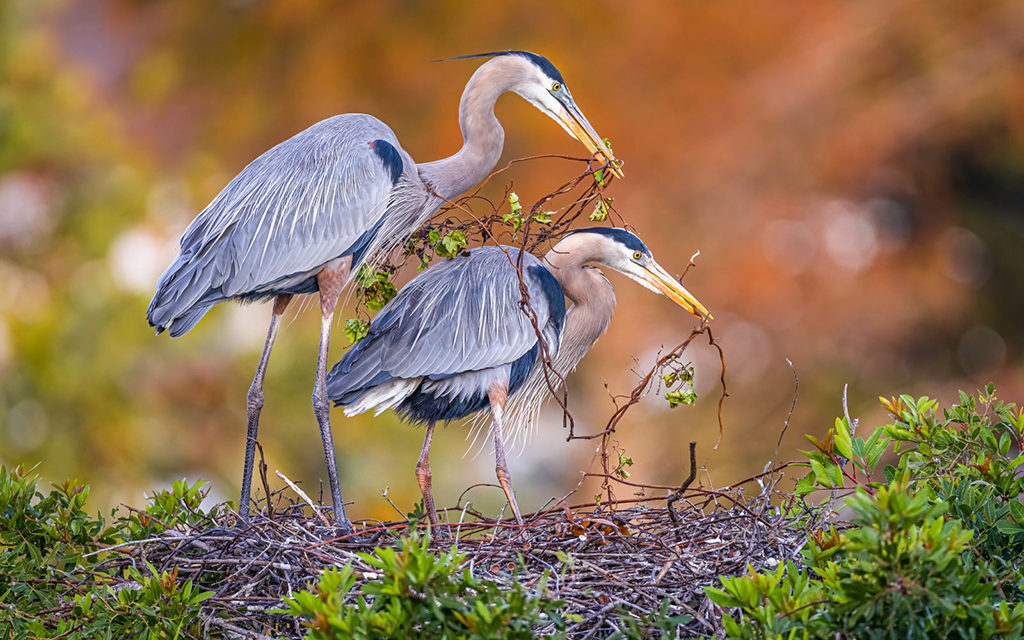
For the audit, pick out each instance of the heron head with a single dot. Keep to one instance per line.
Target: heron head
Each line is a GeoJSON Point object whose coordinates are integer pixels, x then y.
{"type": "Point", "coordinates": [541, 84]}
{"type": "Point", "coordinates": [624, 252]}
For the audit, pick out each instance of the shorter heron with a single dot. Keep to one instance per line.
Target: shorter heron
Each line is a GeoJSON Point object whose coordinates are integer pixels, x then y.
{"type": "Point", "coordinates": [457, 339]}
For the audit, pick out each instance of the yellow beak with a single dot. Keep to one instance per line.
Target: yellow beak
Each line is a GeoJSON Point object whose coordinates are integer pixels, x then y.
{"type": "Point", "coordinates": [666, 284]}
{"type": "Point", "coordinates": [573, 119]}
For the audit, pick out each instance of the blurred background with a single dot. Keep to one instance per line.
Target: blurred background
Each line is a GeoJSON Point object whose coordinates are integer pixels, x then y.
{"type": "Point", "coordinates": [853, 174]}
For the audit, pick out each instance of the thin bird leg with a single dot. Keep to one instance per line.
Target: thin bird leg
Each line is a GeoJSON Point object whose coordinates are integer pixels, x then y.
{"type": "Point", "coordinates": [254, 403]}
{"type": "Point", "coordinates": [498, 394]}
{"type": "Point", "coordinates": [331, 280]}
{"type": "Point", "coordinates": [423, 475]}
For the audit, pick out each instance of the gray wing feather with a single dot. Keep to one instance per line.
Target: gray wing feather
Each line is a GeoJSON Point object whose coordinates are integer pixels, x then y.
{"type": "Point", "coordinates": [297, 206]}
{"type": "Point", "coordinates": [470, 319]}
{"type": "Point", "coordinates": [458, 316]}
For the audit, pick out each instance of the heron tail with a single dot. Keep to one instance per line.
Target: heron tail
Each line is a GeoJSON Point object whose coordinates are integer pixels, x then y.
{"type": "Point", "coordinates": [184, 293]}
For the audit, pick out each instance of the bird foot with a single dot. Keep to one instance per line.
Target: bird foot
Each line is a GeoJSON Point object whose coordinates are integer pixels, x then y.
{"type": "Point", "coordinates": [440, 532]}
{"type": "Point", "coordinates": [342, 531]}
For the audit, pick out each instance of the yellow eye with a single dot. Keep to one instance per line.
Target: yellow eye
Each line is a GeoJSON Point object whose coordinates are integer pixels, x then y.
{"type": "Point", "coordinates": [556, 87]}
{"type": "Point", "coordinates": [637, 255]}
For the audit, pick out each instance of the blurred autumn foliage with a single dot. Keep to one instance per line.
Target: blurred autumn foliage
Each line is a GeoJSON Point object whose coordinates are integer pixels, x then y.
{"type": "Point", "coordinates": [852, 173]}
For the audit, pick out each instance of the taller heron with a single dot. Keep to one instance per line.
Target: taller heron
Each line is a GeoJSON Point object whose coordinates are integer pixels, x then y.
{"type": "Point", "coordinates": [303, 216]}
{"type": "Point", "coordinates": [457, 340]}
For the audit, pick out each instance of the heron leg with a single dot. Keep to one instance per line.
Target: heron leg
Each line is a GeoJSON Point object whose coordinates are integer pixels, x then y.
{"type": "Point", "coordinates": [498, 394]}
{"type": "Point", "coordinates": [254, 403]}
{"type": "Point", "coordinates": [331, 280]}
{"type": "Point", "coordinates": [423, 475]}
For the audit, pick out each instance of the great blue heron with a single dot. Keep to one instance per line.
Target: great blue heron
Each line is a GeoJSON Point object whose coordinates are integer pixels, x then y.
{"type": "Point", "coordinates": [303, 216]}
{"type": "Point", "coordinates": [456, 339]}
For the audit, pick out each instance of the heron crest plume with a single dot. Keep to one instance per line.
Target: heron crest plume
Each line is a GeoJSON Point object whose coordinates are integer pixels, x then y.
{"type": "Point", "coordinates": [542, 62]}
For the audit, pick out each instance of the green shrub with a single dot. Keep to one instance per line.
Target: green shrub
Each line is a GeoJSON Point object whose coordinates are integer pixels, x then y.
{"type": "Point", "coordinates": [420, 595]}
{"type": "Point", "coordinates": [53, 580]}
{"type": "Point", "coordinates": [934, 550]}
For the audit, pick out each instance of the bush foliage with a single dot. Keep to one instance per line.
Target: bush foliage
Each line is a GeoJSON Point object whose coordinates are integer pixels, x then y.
{"type": "Point", "coordinates": [420, 595]}
{"type": "Point", "coordinates": [935, 545]}
{"type": "Point", "coordinates": [53, 582]}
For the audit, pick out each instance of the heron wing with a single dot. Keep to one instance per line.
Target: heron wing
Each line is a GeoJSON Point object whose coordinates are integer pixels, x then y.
{"type": "Point", "coordinates": [462, 315]}
{"type": "Point", "coordinates": [299, 205]}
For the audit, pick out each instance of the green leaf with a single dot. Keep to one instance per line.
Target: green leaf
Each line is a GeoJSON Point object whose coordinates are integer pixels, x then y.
{"type": "Point", "coordinates": [821, 475]}
{"type": "Point", "coordinates": [842, 439]}
{"type": "Point", "coordinates": [513, 203]}
{"type": "Point", "coordinates": [451, 244]}
{"type": "Point", "coordinates": [600, 212]}
{"type": "Point", "coordinates": [1009, 527]}
{"type": "Point", "coordinates": [680, 396]}
{"type": "Point", "coordinates": [356, 329]}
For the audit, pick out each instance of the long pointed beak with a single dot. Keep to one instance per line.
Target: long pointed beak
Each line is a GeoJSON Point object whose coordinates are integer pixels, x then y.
{"type": "Point", "coordinates": [573, 119]}
{"type": "Point", "coordinates": [660, 279]}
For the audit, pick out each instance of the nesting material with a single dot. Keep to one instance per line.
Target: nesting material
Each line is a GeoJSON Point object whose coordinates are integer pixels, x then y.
{"type": "Point", "coordinates": [604, 563]}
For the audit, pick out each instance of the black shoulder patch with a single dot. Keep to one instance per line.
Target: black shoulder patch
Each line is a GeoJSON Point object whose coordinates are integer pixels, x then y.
{"type": "Point", "coordinates": [389, 155]}
{"type": "Point", "coordinates": [618, 235]}
{"type": "Point", "coordinates": [545, 65]}
{"type": "Point", "coordinates": [552, 291]}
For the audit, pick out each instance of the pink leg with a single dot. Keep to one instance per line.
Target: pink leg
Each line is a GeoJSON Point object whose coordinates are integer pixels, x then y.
{"type": "Point", "coordinates": [498, 395]}
{"type": "Point", "coordinates": [424, 477]}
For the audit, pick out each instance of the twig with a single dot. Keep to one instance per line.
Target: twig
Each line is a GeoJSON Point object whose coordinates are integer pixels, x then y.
{"type": "Point", "coordinates": [789, 416]}
{"type": "Point", "coordinates": [397, 510]}
{"type": "Point", "coordinates": [302, 494]}
{"type": "Point", "coordinates": [263, 479]}
{"type": "Point", "coordinates": [678, 493]}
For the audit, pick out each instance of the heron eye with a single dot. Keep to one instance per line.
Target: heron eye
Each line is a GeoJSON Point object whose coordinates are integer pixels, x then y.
{"type": "Point", "coordinates": [637, 255]}
{"type": "Point", "coordinates": [556, 87]}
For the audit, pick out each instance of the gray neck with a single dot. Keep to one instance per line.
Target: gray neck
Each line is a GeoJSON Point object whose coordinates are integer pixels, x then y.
{"type": "Point", "coordinates": [593, 301]}
{"type": "Point", "coordinates": [482, 135]}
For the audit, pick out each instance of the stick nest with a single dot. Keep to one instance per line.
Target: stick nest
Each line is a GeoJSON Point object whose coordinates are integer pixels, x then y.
{"type": "Point", "coordinates": [604, 563]}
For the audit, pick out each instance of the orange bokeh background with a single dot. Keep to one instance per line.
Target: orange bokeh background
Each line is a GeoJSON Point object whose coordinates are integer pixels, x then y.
{"type": "Point", "coordinates": [852, 174]}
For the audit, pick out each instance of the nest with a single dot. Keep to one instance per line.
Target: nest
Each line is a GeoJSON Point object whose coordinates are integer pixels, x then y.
{"type": "Point", "coordinates": [639, 558]}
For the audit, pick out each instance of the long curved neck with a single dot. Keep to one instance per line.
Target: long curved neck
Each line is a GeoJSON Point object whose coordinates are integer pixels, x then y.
{"type": "Point", "coordinates": [482, 135]}
{"type": "Point", "coordinates": [593, 301]}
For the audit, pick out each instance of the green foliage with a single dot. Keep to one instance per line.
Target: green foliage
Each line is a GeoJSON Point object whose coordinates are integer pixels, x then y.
{"type": "Point", "coordinates": [375, 287]}
{"type": "Point", "coordinates": [599, 173]}
{"type": "Point", "coordinates": [448, 245]}
{"type": "Point", "coordinates": [53, 579]}
{"type": "Point", "coordinates": [515, 215]}
{"type": "Point", "coordinates": [356, 329]}
{"type": "Point", "coordinates": [152, 605]}
{"type": "Point", "coordinates": [420, 595]}
{"type": "Point", "coordinates": [375, 291]}
{"type": "Point", "coordinates": [656, 624]}
{"type": "Point", "coordinates": [935, 548]}
{"type": "Point", "coordinates": [544, 217]}
{"type": "Point", "coordinates": [620, 468]}
{"type": "Point", "coordinates": [601, 208]}
{"type": "Point", "coordinates": [678, 397]}
{"type": "Point", "coordinates": [167, 509]}
{"type": "Point", "coordinates": [680, 386]}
